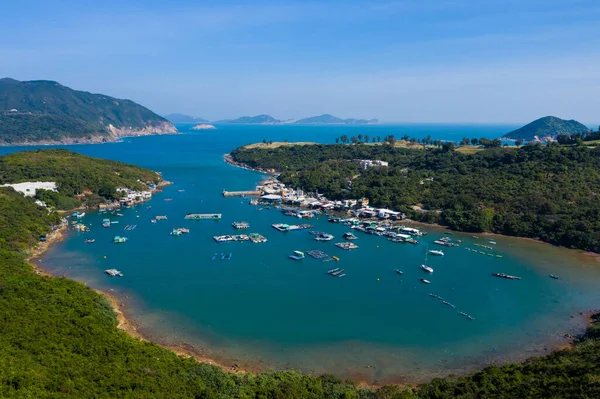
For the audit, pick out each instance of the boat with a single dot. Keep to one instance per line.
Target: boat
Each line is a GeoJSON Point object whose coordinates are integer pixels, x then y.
{"type": "Point", "coordinates": [297, 255]}
{"type": "Point", "coordinates": [153, 221]}
{"type": "Point", "coordinates": [229, 256]}
{"type": "Point", "coordinates": [89, 240]}
{"type": "Point", "coordinates": [106, 224]}
{"type": "Point", "coordinates": [449, 304]}
{"type": "Point", "coordinates": [324, 237]}
{"type": "Point", "coordinates": [425, 281]}
{"type": "Point", "coordinates": [175, 232]}
{"type": "Point", "coordinates": [223, 256]}
{"type": "Point", "coordinates": [398, 271]}
{"type": "Point", "coordinates": [554, 276]}
{"type": "Point", "coordinates": [333, 270]}
{"type": "Point", "coordinates": [180, 191]}
{"type": "Point", "coordinates": [215, 256]}
{"type": "Point", "coordinates": [436, 252]}
{"type": "Point", "coordinates": [508, 276]}
{"type": "Point", "coordinates": [427, 268]}
{"type": "Point", "coordinates": [491, 242]}
{"type": "Point", "coordinates": [119, 239]}
{"type": "Point", "coordinates": [113, 273]}
{"type": "Point", "coordinates": [350, 236]}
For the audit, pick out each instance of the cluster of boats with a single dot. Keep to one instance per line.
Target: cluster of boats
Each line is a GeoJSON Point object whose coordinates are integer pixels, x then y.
{"type": "Point", "coordinates": [120, 240]}
{"type": "Point", "coordinates": [179, 231]}
{"type": "Point", "coordinates": [89, 240]}
{"type": "Point", "coordinates": [446, 242]}
{"type": "Point", "coordinates": [222, 256]}
{"type": "Point", "coordinates": [442, 300]}
{"type": "Point", "coordinates": [130, 227]}
{"type": "Point", "coordinates": [240, 225]}
{"type": "Point", "coordinates": [113, 273]}
{"type": "Point", "coordinates": [337, 272]}
{"type": "Point", "coordinates": [254, 237]}
{"type": "Point", "coordinates": [288, 227]}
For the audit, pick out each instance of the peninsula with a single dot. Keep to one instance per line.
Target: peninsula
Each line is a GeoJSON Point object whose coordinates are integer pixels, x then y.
{"type": "Point", "coordinates": [182, 118]}
{"type": "Point", "coordinates": [535, 191]}
{"type": "Point", "coordinates": [46, 112]}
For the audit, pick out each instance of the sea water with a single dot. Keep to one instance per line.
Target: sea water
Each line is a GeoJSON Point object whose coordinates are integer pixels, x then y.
{"type": "Point", "coordinates": [262, 310]}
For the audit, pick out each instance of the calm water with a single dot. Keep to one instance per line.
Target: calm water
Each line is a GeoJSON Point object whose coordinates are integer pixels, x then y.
{"type": "Point", "coordinates": [262, 308]}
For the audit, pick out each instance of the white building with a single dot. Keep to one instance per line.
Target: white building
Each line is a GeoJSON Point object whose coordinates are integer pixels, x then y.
{"type": "Point", "coordinates": [30, 188]}
{"type": "Point", "coordinates": [368, 163]}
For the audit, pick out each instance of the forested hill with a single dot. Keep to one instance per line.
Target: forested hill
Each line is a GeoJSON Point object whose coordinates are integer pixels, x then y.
{"type": "Point", "coordinates": [547, 127]}
{"type": "Point", "coordinates": [79, 178]}
{"type": "Point", "coordinates": [46, 111]}
{"type": "Point", "coordinates": [548, 192]}
{"type": "Point", "coordinates": [252, 120]}
{"type": "Point", "coordinates": [59, 338]}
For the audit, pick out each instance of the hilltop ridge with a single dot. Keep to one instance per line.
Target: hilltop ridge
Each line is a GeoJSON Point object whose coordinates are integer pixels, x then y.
{"type": "Point", "coordinates": [44, 111]}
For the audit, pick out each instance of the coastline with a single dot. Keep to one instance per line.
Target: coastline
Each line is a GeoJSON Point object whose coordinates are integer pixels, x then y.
{"type": "Point", "coordinates": [229, 160]}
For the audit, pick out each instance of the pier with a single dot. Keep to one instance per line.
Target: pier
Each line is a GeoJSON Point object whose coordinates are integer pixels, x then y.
{"type": "Point", "coordinates": [250, 193]}
{"type": "Point", "coordinates": [203, 216]}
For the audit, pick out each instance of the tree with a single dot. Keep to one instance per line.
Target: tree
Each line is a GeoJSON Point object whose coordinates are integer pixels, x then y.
{"type": "Point", "coordinates": [264, 141]}
{"type": "Point", "coordinates": [354, 139]}
{"type": "Point", "coordinates": [344, 139]}
{"type": "Point", "coordinates": [360, 137]}
{"type": "Point", "coordinates": [474, 141]}
{"type": "Point", "coordinates": [337, 140]}
{"type": "Point", "coordinates": [465, 141]}
{"type": "Point", "coordinates": [373, 139]}
{"type": "Point", "coordinates": [366, 138]}
{"type": "Point", "coordinates": [405, 137]}
{"type": "Point", "coordinates": [379, 139]}
{"type": "Point", "coordinates": [107, 191]}
{"type": "Point", "coordinates": [519, 142]}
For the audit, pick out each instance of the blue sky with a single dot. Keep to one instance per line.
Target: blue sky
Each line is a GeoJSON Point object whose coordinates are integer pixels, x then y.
{"type": "Point", "coordinates": [484, 61]}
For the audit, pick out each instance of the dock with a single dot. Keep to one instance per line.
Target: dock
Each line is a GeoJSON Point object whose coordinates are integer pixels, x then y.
{"type": "Point", "coordinates": [203, 216]}
{"type": "Point", "coordinates": [250, 193]}
{"type": "Point", "coordinates": [346, 245]}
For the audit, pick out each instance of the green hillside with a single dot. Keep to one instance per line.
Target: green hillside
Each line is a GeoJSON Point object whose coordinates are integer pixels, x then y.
{"type": "Point", "coordinates": [548, 126]}
{"type": "Point", "coordinates": [43, 110]}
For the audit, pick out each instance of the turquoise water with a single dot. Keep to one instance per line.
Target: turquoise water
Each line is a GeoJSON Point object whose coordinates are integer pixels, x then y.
{"type": "Point", "coordinates": [261, 309]}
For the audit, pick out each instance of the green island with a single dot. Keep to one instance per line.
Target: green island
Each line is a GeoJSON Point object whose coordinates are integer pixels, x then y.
{"type": "Point", "coordinates": [59, 338]}
{"type": "Point", "coordinates": [546, 192]}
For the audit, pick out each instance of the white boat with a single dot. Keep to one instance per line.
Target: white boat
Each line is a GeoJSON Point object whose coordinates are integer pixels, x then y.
{"type": "Point", "coordinates": [425, 281]}
{"type": "Point", "coordinates": [436, 252]}
{"type": "Point", "coordinates": [324, 237]}
{"type": "Point", "coordinates": [492, 242]}
{"type": "Point", "coordinates": [427, 268]}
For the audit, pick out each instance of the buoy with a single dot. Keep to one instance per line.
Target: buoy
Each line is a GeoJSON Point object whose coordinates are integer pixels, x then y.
{"type": "Point", "coordinates": [378, 246]}
{"type": "Point", "coordinates": [377, 278]}
{"type": "Point", "coordinates": [104, 256]}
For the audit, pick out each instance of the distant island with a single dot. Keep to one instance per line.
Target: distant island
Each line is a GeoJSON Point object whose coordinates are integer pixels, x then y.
{"type": "Point", "coordinates": [252, 120]}
{"type": "Point", "coordinates": [327, 119]}
{"type": "Point", "coordinates": [182, 118]}
{"type": "Point", "coordinates": [203, 126]}
{"type": "Point", "coordinates": [547, 128]}
{"type": "Point", "coordinates": [324, 119]}
{"type": "Point", "coordinates": [46, 112]}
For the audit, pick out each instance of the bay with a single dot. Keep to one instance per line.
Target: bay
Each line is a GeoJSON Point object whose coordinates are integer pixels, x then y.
{"type": "Point", "coordinates": [262, 310]}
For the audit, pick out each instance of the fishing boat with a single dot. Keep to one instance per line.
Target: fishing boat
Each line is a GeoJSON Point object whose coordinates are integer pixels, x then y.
{"type": "Point", "coordinates": [398, 271]}
{"type": "Point", "coordinates": [89, 240]}
{"type": "Point", "coordinates": [425, 281]}
{"type": "Point", "coordinates": [554, 276]}
{"type": "Point", "coordinates": [436, 252]}
{"type": "Point", "coordinates": [350, 236]}
{"type": "Point", "coordinates": [229, 256]}
{"type": "Point", "coordinates": [175, 232]}
{"type": "Point", "coordinates": [223, 256]}
{"type": "Point", "coordinates": [427, 268]}
{"type": "Point", "coordinates": [297, 255]}
{"type": "Point", "coordinates": [333, 270]}
{"type": "Point", "coordinates": [324, 237]}
{"type": "Point", "coordinates": [120, 240]}
{"type": "Point", "coordinates": [215, 256]}
{"type": "Point", "coordinates": [492, 242]}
